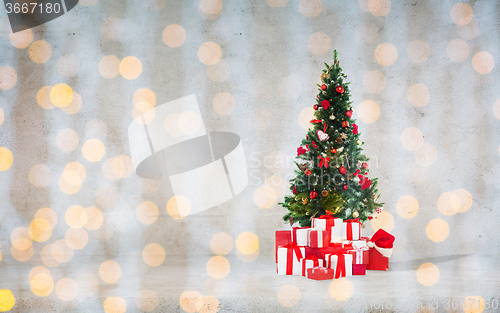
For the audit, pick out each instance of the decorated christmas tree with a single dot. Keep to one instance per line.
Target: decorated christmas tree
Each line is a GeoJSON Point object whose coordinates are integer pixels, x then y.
{"type": "Point", "coordinates": [332, 174]}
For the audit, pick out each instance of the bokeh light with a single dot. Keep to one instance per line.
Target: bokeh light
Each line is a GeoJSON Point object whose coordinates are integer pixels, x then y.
{"type": "Point", "coordinates": [40, 230]}
{"type": "Point", "coordinates": [418, 95]}
{"type": "Point", "coordinates": [319, 43]}
{"type": "Point", "coordinates": [153, 254]}
{"type": "Point", "coordinates": [384, 221]}
{"type": "Point", "coordinates": [47, 214]}
{"type": "Point", "coordinates": [461, 13]}
{"type": "Point", "coordinates": [7, 300]}
{"type": "Point", "coordinates": [110, 271]}
{"type": "Point", "coordinates": [47, 258]}
{"type": "Point", "coordinates": [147, 300]}
{"type": "Point", "coordinates": [264, 197]}
{"type": "Point", "coordinates": [386, 54]}
{"type": "Point", "coordinates": [130, 67]}
{"type": "Point", "coordinates": [428, 274]}
{"type": "Point", "coordinates": [407, 206]}
{"type": "Point", "coordinates": [66, 289]}
{"type": "Point", "coordinates": [412, 138]}
{"type": "Point", "coordinates": [76, 216]}
{"type": "Point", "coordinates": [224, 102]}
{"type": "Point", "coordinates": [41, 283]}
{"type": "Point", "coordinates": [21, 39]}
{"type": "Point", "coordinates": [22, 255]}
{"type": "Point", "coordinates": [115, 305]}
{"type": "Point", "coordinates": [20, 238]}
{"type": "Point", "coordinates": [43, 97]}
{"type": "Point", "coordinates": [247, 242]}
{"type": "Point", "coordinates": [210, 6]}
{"type": "Point", "coordinates": [189, 122]}
{"type": "Point", "coordinates": [483, 62]}
{"type": "Point", "coordinates": [426, 155]}
{"type": "Point", "coordinates": [218, 267]}
{"type": "Point", "coordinates": [61, 95]}
{"type": "Point", "coordinates": [147, 212]}
{"type": "Point", "coordinates": [221, 243]}
{"type": "Point", "coordinates": [437, 230]}
{"type": "Point", "coordinates": [474, 304]}
{"type": "Point", "coordinates": [75, 105]}
{"type": "Point", "coordinates": [305, 116]}
{"type": "Point", "coordinates": [8, 77]}
{"type": "Point", "coordinates": [61, 252]}
{"type": "Point", "coordinates": [76, 238]}
{"type": "Point", "coordinates": [40, 51]}
{"type": "Point", "coordinates": [94, 218]}
{"type": "Point", "coordinates": [93, 150]}
{"type": "Point", "coordinates": [67, 140]}
{"type": "Point", "coordinates": [178, 206]}
{"type": "Point", "coordinates": [341, 289]}
{"type": "Point", "coordinates": [144, 95]}
{"type": "Point", "coordinates": [368, 111]}
{"type": "Point", "coordinates": [465, 200]}
{"type": "Point", "coordinates": [174, 35]}
{"type": "Point", "coordinates": [209, 53]}
{"type": "Point", "coordinates": [139, 110]}
{"type": "Point", "coordinates": [39, 175]}
{"type": "Point", "coordinates": [379, 7]}
{"type": "Point", "coordinates": [457, 50]}
{"type": "Point", "coordinates": [310, 8]}
{"type": "Point", "coordinates": [289, 295]}
{"type": "Point", "coordinates": [191, 301]}
{"type": "Point", "coordinates": [109, 66]}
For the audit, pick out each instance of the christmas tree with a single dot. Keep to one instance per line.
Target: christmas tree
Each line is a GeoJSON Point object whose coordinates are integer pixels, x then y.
{"type": "Point", "coordinates": [332, 177]}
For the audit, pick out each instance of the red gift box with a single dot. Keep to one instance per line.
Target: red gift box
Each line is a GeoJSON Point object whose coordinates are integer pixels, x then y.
{"type": "Point", "coordinates": [283, 237]}
{"type": "Point", "coordinates": [381, 246]}
{"type": "Point", "coordinates": [319, 238]}
{"type": "Point", "coordinates": [289, 257]}
{"type": "Point", "coordinates": [360, 255]}
{"type": "Point", "coordinates": [321, 252]}
{"type": "Point", "coordinates": [320, 273]}
{"type": "Point", "coordinates": [359, 269]}
{"type": "Point", "coordinates": [351, 230]}
{"type": "Point", "coordinates": [310, 262]}
{"type": "Point", "coordinates": [300, 235]}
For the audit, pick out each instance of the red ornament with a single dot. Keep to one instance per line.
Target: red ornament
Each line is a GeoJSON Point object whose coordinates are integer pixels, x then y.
{"type": "Point", "coordinates": [345, 124]}
{"type": "Point", "coordinates": [294, 189]}
{"type": "Point", "coordinates": [301, 150]}
{"type": "Point", "coordinates": [325, 104]}
{"type": "Point", "coordinates": [315, 107]}
{"type": "Point", "coordinates": [348, 113]}
{"type": "Point", "coordinates": [313, 194]}
{"type": "Point", "coordinates": [339, 89]}
{"type": "Point", "coordinates": [342, 170]}
{"type": "Point", "coordinates": [354, 129]}
{"type": "Point", "coordinates": [307, 172]}
{"type": "Point", "coordinates": [333, 151]}
{"type": "Point", "coordinates": [317, 96]}
{"type": "Point", "coordinates": [323, 87]}
{"type": "Point", "coordinates": [344, 187]}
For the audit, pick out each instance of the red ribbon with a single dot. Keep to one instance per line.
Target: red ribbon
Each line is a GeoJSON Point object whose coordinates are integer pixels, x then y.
{"type": "Point", "coordinates": [340, 268]}
{"type": "Point", "coordinates": [315, 121]}
{"type": "Point", "coordinates": [294, 232]}
{"type": "Point", "coordinates": [315, 263]}
{"type": "Point", "coordinates": [291, 248]}
{"type": "Point", "coordinates": [330, 220]}
{"type": "Point", "coordinates": [323, 161]}
{"type": "Point", "coordinates": [349, 228]}
{"type": "Point", "coordinates": [314, 238]}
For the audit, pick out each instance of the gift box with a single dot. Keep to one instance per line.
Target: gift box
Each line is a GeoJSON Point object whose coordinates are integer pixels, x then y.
{"type": "Point", "coordinates": [380, 245]}
{"type": "Point", "coordinates": [310, 262]}
{"type": "Point", "coordinates": [353, 244]}
{"type": "Point", "coordinates": [341, 263]}
{"type": "Point", "coordinates": [300, 235]}
{"type": "Point", "coordinates": [360, 255]}
{"type": "Point", "coordinates": [319, 238]}
{"type": "Point", "coordinates": [359, 269]}
{"type": "Point", "coordinates": [321, 252]}
{"type": "Point", "coordinates": [282, 237]}
{"type": "Point", "coordinates": [289, 257]}
{"type": "Point", "coordinates": [351, 230]}
{"type": "Point", "coordinates": [320, 273]}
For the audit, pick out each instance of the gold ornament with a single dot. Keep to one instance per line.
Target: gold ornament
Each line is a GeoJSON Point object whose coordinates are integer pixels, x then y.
{"type": "Point", "coordinates": [359, 142]}
{"type": "Point", "coordinates": [355, 214]}
{"type": "Point", "coordinates": [304, 201]}
{"type": "Point", "coordinates": [332, 117]}
{"type": "Point", "coordinates": [324, 77]}
{"type": "Point", "coordinates": [324, 193]}
{"type": "Point", "coordinates": [343, 135]}
{"type": "Point", "coordinates": [374, 196]}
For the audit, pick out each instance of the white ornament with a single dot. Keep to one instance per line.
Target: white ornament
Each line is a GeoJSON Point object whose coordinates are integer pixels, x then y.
{"type": "Point", "coordinates": [322, 136]}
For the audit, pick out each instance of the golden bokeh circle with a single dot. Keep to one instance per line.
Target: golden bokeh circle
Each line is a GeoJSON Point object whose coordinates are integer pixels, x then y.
{"type": "Point", "coordinates": [43, 97]}
{"type": "Point", "coordinates": [61, 252]}
{"type": "Point", "coordinates": [319, 43]}
{"type": "Point", "coordinates": [174, 35]}
{"type": "Point", "coordinates": [437, 230]}
{"type": "Point", "coordinates": [147, 300]}
{"type": "Point", "coordinates": [2, 116]}
{"type": "Point", "coordinates": [310, 8]}
{"type": "Point", "coordinates": [418, 51]}
{"type": "Point", "coordinates": [66, 289]}
{"type": "Point", "coordinates": [209, 53]}
{"type": "Point", "coordinates": [40, 230]}
{"type": "Point", "coordinates": [39, 175]}
{"type": "Point", "coordinates": [384, 221]}
{"type": "Point", "coordinates": [8, 77]}
{"type": "Point", "coordinates": [47, 258]}
{"type": "Point", "coordinates": [221, 243]}
{"type": "Point", "coordinates": [40, 51]}
{"type": "Point", "coordinates": [428, 274]}
{"type": "Point", "coordinates": [7, 299]}
{"type": "Point", "coordinates": [20, 238]}
{"type": "Point", "coordinates": [247, 242]}
{"type": "Point", "coordinates": [341, 289]}
{"type": "Point", "coordinates": [374, 82]}
{"type": "Point", "coordinates": [61, 95]}
{"type": "Point", "coordinates": [379, 7]}
{"type": "Point", "coordinates": [110, 271]}
{"type": "Point", "coordinates": [147, 212]}
{"type": "Point", "coordinates": [75, 105]}
{"type": "Point", "coordinates": [218, 267]}
{"type": "Point", "coordinates": [224, 102]}
{"type": "Point", "coordinates": [22, 255]}
{"type": "Point", "coordinates": [473, 304]}
{"type": "Point", "coordinates": [140, 110]}
{"type": "Point", "coordinates": [93, 150]}
{"type": "Point", "coordinates": [457, 50]}
{"type": "Point", "coordinates": [130, 67]}
{"type": "Point", "coordinates": [95, 218]}
{"type": "Point", "coordinates": [412, 138]}
{"type": "Point", "coordinates": [76, 238]}
{"type": "Point", "coordinates": [483, 62]}
{"type": "Point", "coordinates": [115, 305]}
{"type": "Point", "coordinates": [178, 206]}
{"type": "Point", "coordinates": [407, 206]}
{"type": "Point", "coordinates": [191, 301]}
{"type": "Point", "coordinates": [264, 197]}
{"type": "Point", "coordinates": [144, 95]}
{"type": "Point", "coordinates": [305, 116]}
{"type": "Point", "coordinates": [465, 200]}
{"type": "Point", "coordinates": [418, 95]}
{"type": "Point", "coordinates": [210, 6]}
{"type": "Point", "coordinates": [42, 284]}
{"type": "Point", "coordinates": [368, 111]}
{"type": "Point", "coordinates": [76, 216]}
{"type": "Point", "coordinates": [386, 54]}
{"type": "Point", "coordinates": [153, 254]}
{"type": "Point", "coordinates": [21, 39]}
{"type": "Point", "coordinates": [426, 155]}
{"type": "Point", "coordinates": [67, 140]}
{"type": "Point", "coordinates": [461, 13]}
{"type": "Point", "coordinates": [288, 295]}
{"type": "Point", "coordinates": [109, 66]}
{"type": "Point", "coordinates": [448, 203]}
{"type": "Point", "coordinates": [496, 108]}
{"type": "Point", "coordinates": [47, 214]}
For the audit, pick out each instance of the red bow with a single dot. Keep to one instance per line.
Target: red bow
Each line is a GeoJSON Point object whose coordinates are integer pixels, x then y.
{"type": "Point", "coordinates": [315, 121]}
{"type": "Point", "coordinates": [325, 104]}
{"type": "Point", "coordinates": [323, 161]}
{"type": "Point", "coordinates": [291, 248]}
{"type": "Point", "coordinates": [315, 263]}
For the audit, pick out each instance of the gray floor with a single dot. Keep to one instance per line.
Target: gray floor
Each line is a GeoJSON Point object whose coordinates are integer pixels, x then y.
{"type": "Point", "coordinates": [253, 286]}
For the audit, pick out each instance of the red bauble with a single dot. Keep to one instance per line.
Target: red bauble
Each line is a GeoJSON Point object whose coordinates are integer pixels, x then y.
{"type": "Point", "coordinates": [333, 151]}
{"type": "Point", "coordinates": [348, 113]}
{"type": "Point", "coordinates": [342, 170]}
{"type": "Point", "coordinates": [339, 89]}
{"type": "Point", "coordinates": [344, 187]}
{"type": "Point", "coordinates": [315, 107]}
{"type": "Point", "coordinates": [323, 87]}
{"type": "Point", "coordinates": [317, 96]}
{"type": "Point", "coordinates": [313, 194]}
{"type": "Point", "coordinates": [365, 165]}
